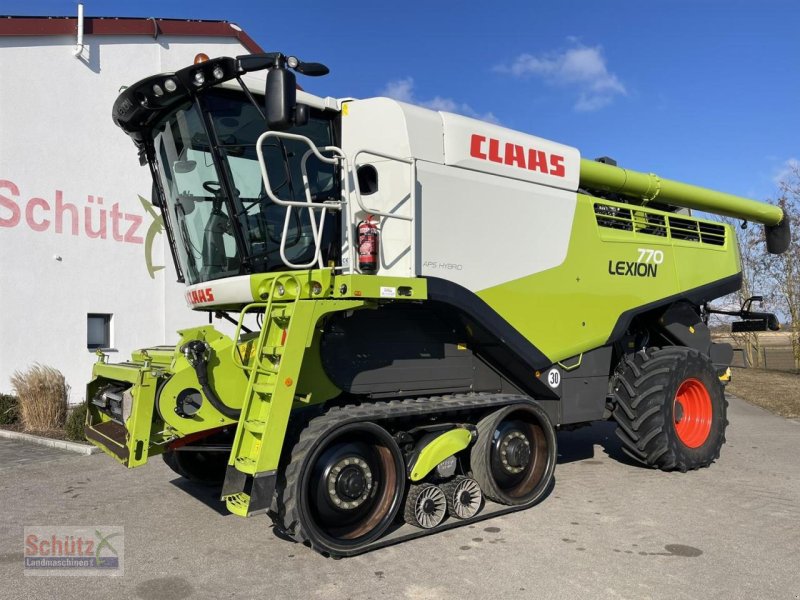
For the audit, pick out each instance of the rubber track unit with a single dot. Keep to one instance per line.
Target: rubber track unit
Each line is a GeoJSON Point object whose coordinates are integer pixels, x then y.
{"type": "Point", "coordinates": [286, 514]}
{"type": "Point", "coordinates": [644, 392]}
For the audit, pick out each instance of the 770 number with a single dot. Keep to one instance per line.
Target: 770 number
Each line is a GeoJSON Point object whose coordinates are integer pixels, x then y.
{"type": "Point", "coordinates": [650, 256]}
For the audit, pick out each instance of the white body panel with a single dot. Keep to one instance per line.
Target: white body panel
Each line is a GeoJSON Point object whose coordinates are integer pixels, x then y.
{"type": "Point", "coordinates": [480, 220]}
{"type": "Point", "coordinates": [480, 230]}
{"type": "Point", "coordinates": [484, 147]}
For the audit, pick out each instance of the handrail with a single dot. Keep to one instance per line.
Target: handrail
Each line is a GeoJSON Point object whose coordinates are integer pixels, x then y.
{"type": "Point", "coordinates": [300, 138]}
{"type": "Point", "coordinates": [264, 332]}
{"type": "Point", "coordinates": [412, 197]}
{"type": "Point", "coordinates": [316, 229]}
{"type": "Point", "coordinates": [339, 158]}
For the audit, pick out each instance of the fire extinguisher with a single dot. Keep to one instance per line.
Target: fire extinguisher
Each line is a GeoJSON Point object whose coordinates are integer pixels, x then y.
{"type": "Point", "coordinates": [368, 245]}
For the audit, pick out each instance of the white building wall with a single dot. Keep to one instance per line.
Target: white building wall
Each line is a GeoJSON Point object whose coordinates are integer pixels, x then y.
{"type": "Point", "coordinates": [64, 169]}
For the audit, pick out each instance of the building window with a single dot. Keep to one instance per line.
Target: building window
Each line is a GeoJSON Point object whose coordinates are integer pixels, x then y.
{"type": "Point", "coordinates": [98, 331]}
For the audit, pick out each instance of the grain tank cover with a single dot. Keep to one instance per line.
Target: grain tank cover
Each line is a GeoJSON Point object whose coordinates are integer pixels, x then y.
{"type": "Point", "coordinates": [481, 146]}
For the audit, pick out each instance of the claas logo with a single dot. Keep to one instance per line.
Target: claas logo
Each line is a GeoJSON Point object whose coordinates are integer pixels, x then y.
{"type": "Point", "coordinates": [200, 296]}
{"type": "Point", "coordinates": [515, 155]}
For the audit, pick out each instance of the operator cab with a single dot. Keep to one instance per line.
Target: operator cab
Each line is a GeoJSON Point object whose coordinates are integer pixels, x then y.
{"type": "Point", "coordinates": [198, 130]}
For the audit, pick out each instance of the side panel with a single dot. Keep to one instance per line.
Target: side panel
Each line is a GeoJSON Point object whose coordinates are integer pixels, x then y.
{"type": "Point", "coordinates": [481, 230]}
{"type": "Point", "coordinates": [573, 308]}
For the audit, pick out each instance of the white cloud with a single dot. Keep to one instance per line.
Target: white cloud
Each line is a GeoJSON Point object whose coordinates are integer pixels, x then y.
{"type": "Point", "coordinates": [785, 171]}
{"type": "Point", "coordinates": [581, 68]}
{"type": "Point", "coordinates": [403, 90]}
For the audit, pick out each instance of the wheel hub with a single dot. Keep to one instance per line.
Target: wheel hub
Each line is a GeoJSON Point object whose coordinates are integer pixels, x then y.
{"type": "Point", "coordinates": [515, 452]}
{"type": "Point", "coordinates": [349, 483]}
{"type": "Point", "coordinates": [693, 413]}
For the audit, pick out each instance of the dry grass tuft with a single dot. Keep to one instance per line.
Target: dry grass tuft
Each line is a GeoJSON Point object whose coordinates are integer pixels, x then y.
{"type": "Point", "coordinates": [42, 393]}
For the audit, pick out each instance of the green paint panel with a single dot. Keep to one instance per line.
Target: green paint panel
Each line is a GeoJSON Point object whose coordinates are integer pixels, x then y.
{"type": "Point", "coordinates": [573, 308]}
{"type": "Point", "coordinates": [444, 446]}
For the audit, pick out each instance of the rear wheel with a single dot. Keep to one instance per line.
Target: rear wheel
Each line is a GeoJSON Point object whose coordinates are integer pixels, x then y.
{"type": "Point", "coordinates": [670, 408]}
{"type": "Point", "coordinates": [514, 457]}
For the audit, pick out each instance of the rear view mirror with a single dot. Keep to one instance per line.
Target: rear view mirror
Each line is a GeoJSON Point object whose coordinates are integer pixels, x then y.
{"type": "Point", "coordinates": [280, 97]}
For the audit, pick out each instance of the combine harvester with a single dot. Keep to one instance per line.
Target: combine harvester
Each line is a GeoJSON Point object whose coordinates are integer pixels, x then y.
{"type": "Point", "coordinates": [420, 300]}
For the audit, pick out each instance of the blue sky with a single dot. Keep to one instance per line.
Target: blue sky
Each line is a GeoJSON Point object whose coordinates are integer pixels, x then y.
{"type": "Point", "coordinates": [703, 91]}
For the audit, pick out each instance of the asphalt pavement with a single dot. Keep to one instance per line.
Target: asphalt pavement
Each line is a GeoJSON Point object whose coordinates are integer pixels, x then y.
{"type": "Point", "coordinates": [608, 530]}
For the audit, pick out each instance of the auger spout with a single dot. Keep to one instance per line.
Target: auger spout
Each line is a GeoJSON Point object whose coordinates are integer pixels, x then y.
{"type": "Point", "coordinates": [649, 186]}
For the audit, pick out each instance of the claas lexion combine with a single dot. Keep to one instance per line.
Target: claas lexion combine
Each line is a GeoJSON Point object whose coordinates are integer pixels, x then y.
{"type": "Point", "coordinates": [420, 301]}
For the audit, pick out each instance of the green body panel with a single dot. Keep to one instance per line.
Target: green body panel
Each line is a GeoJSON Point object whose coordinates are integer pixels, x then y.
{"type": "Point", "coordinates": [299, 284]}
{"type": "Point", "coordinates": [440, 448]}
{"type": "Point", "coordinates": [225, 378]}
{"type": "Point", "coordinates": [650, 187]}
{"type": "Point", "coordinates": [274, 371]}
{"type": "Point", "coordinates": [573, 308]}
{"type": "Point", "coordinates": [133, 449]}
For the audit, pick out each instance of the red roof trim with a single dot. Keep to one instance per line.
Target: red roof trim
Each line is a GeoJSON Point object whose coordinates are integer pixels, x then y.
{"type": "Point", "coordinates": [36, 26]}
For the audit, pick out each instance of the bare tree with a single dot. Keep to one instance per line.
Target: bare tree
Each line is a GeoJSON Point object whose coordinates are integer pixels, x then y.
{"type": "Point", "coordinates": [755, 281]}
{"type": "Point", "coordinates": [785, 268]}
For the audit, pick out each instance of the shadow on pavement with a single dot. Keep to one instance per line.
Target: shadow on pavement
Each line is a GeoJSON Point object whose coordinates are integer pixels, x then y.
{"type": "Point", "coordinates": [207, 494]}
{"type": "Point", "coordinates": [578, 444]}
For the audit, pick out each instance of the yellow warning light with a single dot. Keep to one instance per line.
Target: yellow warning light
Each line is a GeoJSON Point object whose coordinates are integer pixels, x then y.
{"type": "Point", "coordinates": [200, 58]}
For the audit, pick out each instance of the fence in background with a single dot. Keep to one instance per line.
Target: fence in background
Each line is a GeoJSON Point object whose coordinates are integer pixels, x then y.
{"type": "Point", "coordinates": [775, 358]}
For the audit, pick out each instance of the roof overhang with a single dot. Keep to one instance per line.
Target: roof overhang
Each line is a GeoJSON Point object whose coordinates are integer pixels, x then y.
{"type": "Point", "coordinates": [154, 28]}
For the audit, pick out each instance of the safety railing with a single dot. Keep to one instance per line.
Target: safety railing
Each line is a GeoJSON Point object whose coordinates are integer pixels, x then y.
{"type": "Point", "coordinates": [316, 228]}
{"type": "Point", "coordinates": [338, 157]}
{"type": "Point", "coordinates": [412, 197]}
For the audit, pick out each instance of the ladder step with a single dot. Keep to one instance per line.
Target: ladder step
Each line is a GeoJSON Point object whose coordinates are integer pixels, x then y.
{"type": "Point", "coordinates": [266, 389]}
{"type": "Point", "coordinates": [246, 465]}
{"type": "Point", "coordinates": [272, 350]}
{"type": "Point", "coordinates": [255, 425]}
{"type": "Point", "coordinates": [238, 503]}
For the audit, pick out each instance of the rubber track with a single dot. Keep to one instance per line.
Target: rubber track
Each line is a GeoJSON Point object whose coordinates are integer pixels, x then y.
{"type": "Point", "coordinates": [287, 514]}
{"type": "Point", "coordinates": [645, 433]}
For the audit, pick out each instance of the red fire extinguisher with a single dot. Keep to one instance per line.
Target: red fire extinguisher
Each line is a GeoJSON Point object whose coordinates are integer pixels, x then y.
{"type": "Point", "coordinates": [368, 245]}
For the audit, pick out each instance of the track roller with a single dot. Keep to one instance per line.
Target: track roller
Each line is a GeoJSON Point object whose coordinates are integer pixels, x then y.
{"type": "Point", "coordinates": [464, 497]}
{"type": "Point", "coordinates": [426, 506]}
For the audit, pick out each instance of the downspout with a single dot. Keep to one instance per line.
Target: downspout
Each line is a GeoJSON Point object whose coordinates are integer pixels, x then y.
{"type": "Point", "coordinates": [78, 49]}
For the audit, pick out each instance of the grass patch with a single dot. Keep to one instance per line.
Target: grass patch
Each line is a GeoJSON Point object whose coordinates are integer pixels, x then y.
{"type": "Point", "coordinates": [42, 393]}
{"type": "Point", "coordinates": [9, 409]}
{"type": "Point", "coordinates": [777, 391]}
{"type": "Point", "coordinates": [74, 425]}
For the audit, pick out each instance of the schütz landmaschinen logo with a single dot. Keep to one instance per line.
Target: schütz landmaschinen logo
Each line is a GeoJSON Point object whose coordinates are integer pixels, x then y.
{"type": "Point", "coordinates": [73, 550]}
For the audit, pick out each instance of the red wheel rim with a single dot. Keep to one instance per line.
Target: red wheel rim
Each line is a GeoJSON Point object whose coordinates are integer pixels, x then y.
{"type": "Point", "coordinates": [693, 413]}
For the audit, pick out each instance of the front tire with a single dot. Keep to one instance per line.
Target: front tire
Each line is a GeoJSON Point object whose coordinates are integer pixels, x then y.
{"type": "Point", "coordinates": [671, 409]}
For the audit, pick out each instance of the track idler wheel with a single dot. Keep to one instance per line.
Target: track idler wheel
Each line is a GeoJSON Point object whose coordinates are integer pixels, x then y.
{"type": "Point", "coordinates": [464, 497]}
{"type": "Point", "coordinates": [426, 506]}
{"type": "Point", "coordinates": [348, 488]}
{"type": "Point", "coordinates": [514, 457]}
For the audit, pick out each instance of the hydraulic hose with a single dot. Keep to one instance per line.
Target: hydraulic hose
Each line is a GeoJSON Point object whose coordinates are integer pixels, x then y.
{"type": "Point", "coordinates": [196, 352]}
